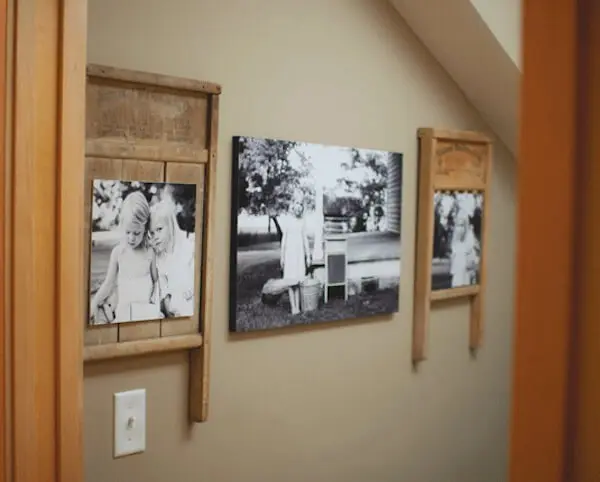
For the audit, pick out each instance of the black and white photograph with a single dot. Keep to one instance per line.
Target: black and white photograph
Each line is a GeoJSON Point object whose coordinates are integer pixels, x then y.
{"type": "Point", "coordinates": [142, 251]}
{"type": "Point", "coordinates": [458, 218]}
{"type": "Point", "coordinates": [316, 233]}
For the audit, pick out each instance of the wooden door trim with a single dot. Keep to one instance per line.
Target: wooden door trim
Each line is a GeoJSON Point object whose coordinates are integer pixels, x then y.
{"type": "Point", "coordinates": [46, 309]}
{"type": "Point", "coordinates": [3, 167]}
{"type": "Point", "coordinates": [583, 463]}
{"type": "Point", "coordinates": [547, 176]}
{"type": "Point", "coordinates": [71, 307]}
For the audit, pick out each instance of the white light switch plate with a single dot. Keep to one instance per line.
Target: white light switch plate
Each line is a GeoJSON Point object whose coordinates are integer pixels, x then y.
{"type": "Point", "coordinates": [130, 422]}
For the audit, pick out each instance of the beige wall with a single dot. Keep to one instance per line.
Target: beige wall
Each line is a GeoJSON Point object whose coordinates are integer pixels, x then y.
{"type": "Point", "coordinates": [504, 20]}
{"type": "Point", "coordinates": [329, 404]}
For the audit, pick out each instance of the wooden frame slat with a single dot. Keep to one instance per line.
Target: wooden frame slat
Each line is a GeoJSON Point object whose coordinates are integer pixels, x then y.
{"type": "Point", "coordinates": [454, 293]}
{"type": "Point", "coordinates": [422, 306]}
{"type": "Point", "coordinates": [436, 174]}
{"type": "Point", "coordinates": [152, 80]}
{"type": "Point", "coordinates": [141, 347]}
{"type": "Point", "coordinates": [455, 135]}
{"type": "Point", "coordinates": [477, 302]}
{"type": "Point", "coordinates": [200, 359]}
{"type": "Point", "coordinates": [107, 149]}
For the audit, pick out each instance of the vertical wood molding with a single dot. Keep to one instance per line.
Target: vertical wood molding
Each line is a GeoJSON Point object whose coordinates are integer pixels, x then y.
{"type": "Point", "coordinates": [3, 327]}
{"type": "Point", "coordinates": [33, 304]}
{"type": "Point", "coordinates": [546, 205]}
{"type": "Point", "coordinates": [8, 216]}
{"type": "Point", "coordinates": [583, 461]}
{"type": "Point", "coordinates": [70, 262]}
{"type": "Point", "coordinates": [46, 240]}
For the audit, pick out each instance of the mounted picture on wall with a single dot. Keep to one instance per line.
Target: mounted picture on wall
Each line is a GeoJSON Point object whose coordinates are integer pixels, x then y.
{"type": "Point", "coordinates": [458, 217]}
{"type": "Point", "coordinates": [142, 251]}
{"type": "Point", "coordinates": [316, 233]}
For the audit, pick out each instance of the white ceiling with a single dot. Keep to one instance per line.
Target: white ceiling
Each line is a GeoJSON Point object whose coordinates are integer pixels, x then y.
{"type": "Point", "coordinates": [478, 43]}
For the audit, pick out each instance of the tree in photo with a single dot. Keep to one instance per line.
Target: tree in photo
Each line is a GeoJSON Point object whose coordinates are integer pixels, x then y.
{"type": "Point", "coordinates": [108, 197]}
{"type": "Point", "coordinates": [267, 179]}
{"type": "Point", "coordinates": [366, 180]}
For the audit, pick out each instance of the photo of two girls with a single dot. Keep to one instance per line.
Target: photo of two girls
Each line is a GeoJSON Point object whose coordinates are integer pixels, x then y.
{"type": "Point", "coordinates": [142, 262]}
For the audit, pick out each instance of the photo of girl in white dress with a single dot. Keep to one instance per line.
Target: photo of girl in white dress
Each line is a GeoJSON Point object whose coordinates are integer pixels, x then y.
{"type": "Point", "coordinates": [142, 251]}
{"type": "Point", "coordinates": [295, 254]}
{"type": "Point", "coordinates": [458, 218]}
{"type": "Point", "coordinates": [315, 233]}
{"type": "Point", "coordinates": [463, 256]}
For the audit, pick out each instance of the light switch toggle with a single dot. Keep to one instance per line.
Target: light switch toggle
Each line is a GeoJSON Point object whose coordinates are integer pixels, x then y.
{"type": "Point", "coordinates": [130, 422]}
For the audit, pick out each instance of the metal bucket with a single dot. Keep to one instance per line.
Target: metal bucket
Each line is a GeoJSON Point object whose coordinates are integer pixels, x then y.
{"type": "Point", "coordinates": [310, 293]}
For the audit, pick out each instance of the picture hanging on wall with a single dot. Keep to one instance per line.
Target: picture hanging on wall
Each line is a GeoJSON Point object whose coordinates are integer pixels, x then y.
{"type": "Point", "coordinates": [452, 220]}
{"type": "Point", "coordinates": [456, 239]}
{"type": "Point", "coordinates": [142, 251]}
{"type": "Point", "coordinates": [316, 233]}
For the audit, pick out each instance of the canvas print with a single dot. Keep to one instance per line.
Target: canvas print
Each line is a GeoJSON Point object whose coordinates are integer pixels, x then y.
{"type": "Point", "coordinates": [142, 251]}
{"type": "Point", "coordinates": [456, 239]}
{"type": "Point", "coordinates": [315, 233]}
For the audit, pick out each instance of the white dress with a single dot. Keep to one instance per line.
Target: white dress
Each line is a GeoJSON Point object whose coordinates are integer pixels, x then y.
{"type": "Point", "coordinates": [134, 288]}
{"type": "Point", "coordinates": [294, 255]}
{"type": "Point", "coordinates": [176, 277]}
{"type": "Point", "coordinates": [463, 256]}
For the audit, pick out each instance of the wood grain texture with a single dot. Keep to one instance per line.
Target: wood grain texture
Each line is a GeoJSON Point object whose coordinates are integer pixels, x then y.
{"type": "Point", "coordinates": [71, 306]}
{"type": "Point", "coordinates": [459, 164]}
{"type": "Point", "coordinates": [111, 148]}
{"type": "Point", "coordinates": [200, 359]}
{"type": "Point", "coordinates": [424, 250]}
{"type": "Point", "coordinates": [543, 307]}
{"type": "Point", "coordinates": [448, 161]}
{"type": "Point", "coordinates": [34, 243]}
{"type": "Point", "coordinates": [152, 79]}
{"type": "Point", "coordinates": [583, 463]}
{"type": "Point", "coordinates": [452, 293]}
{"type": "Point", "coordinates": [169, 124]}
{"type": "Point", "coordinates": [160, 128]}
{"type": "Point", "coordinates": [141, 347]}
{"type": "Point", "coordinates": [8, 238]}
{"type": "Point", "coordinates": [141, 171]}
{"type": "Point", "coordinates": [4, 427]}
{"type": "Point", "coordinates": [477, 303]}
{"type": "Point", "coordinates": [189, 173]}
{"type": "Point", "coordinates": [454, 135]}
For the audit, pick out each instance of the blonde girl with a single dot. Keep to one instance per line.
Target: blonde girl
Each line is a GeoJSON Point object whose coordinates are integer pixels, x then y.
{"type": "Point", "coordinates": [174, 258]}
{"type": "Point", "coordinates": [132, 266]}
{"type": "Point", "coordinates": [295, 254]}
{"type": "Point", "coordinates": [463, 258]}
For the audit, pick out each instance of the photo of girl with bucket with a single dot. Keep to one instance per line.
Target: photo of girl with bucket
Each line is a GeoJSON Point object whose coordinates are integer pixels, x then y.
{"type": "Point", "coordinates": [295, 254]}
{"type": "Point", "coordinates": [315, 233]}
